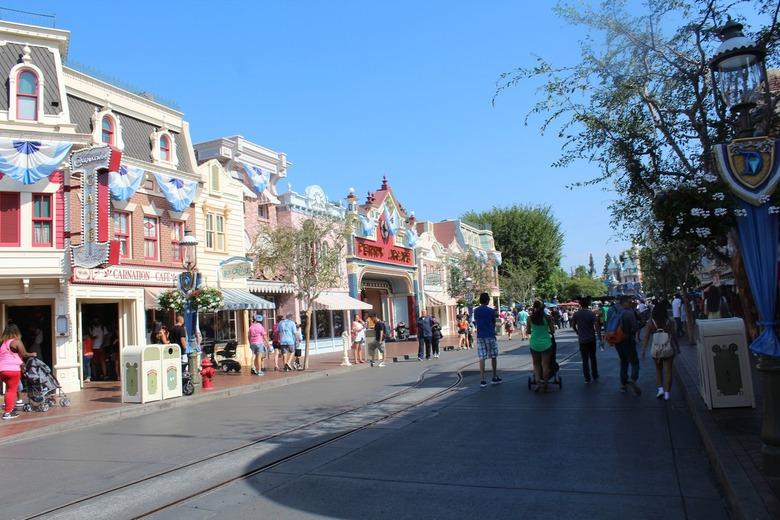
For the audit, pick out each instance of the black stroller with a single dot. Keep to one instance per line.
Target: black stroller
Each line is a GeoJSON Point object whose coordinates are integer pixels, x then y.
{"type": "Point", "coordinates": [43, 389]}
{"type": "Point", "coordinates": [555, 376]}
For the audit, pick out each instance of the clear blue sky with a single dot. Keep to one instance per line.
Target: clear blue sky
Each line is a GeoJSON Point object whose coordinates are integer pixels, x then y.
{"type": "Point", "coordinates": [355, 90]}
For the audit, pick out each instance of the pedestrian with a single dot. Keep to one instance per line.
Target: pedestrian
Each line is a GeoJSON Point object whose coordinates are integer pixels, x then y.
{"type": "Point", "coordinates": [712, 302]}
{"type": "Point", "coordinates": [297, 365]}
{"type": "Point", "coordinates": [541, 329]}
{"type": "Point", "coordinates": [377, 348]}
{"type": "Point", "coordinates": [522, 320]}
{"type": "Point", "coordinates": [565, 318]}
{"type": "Point", "coordinates": [584, 323]}
{"type": "Point", "coordinates": [358, 339]}
{"type": "Point", "coordinates": [258, 343]}
{"type": "Point", "coordinates": [463, 327]}
{"type": "Point", "coordinates": [276, 347]}
{"type": "Point", "coordinates": [677, 314]}
{"type": "Point", "coordinates": [487, 347]}
{"type": "Point", "coordinates": [287, 334]}
{"type": "Point", "coordinates": [626, 348]}
{"type": "Point", "coordinates": [600, 322]}
{"type": "Point", "coordinates": [425, 335]}
{"type": "Point", "coordinates": [664, 345]}
{"type": "Point", "coordinates": [98, 333]}
{"type": "Point", "coordinates": [509, 325]}
{"type": "Point", "coordinates": [436, 337]}
{"type": "Point", "coordinates": [178, 335]}
{"type": "Point", "coordinates": [12, 352]}
{"type": "Point", "coordinates": [86, 357]}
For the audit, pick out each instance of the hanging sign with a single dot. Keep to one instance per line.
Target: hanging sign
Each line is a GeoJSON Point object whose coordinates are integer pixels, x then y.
{"type": "Point", "coordinates": [749, 168]}
{"type": "Point", "coordinates": [93, 164]}
{"type": "Point", "coordinates": [235, 267]}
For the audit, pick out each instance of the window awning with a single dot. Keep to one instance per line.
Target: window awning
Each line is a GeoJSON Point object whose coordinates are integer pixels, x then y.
{"type": "Point", "coordinates": [269, 286]}
{"type": "Point", "coordinates": [439, 299]}
{"type": "Point", "coordinates": [150, 298]}
{"type": "Point", "coordinates": [338, 301]}
{"type": "Point", "coordinates": [240, 300]}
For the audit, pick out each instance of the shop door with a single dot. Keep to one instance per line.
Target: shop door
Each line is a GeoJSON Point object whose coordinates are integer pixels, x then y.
{"type": "Point", "coordinates": [102, 322]}
{"type": "Point", "coordinates": [34, 322]}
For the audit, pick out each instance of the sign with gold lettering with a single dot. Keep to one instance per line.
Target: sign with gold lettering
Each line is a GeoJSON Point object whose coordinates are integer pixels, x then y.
{"type": "Point", "coordinates": [127, 275]}
{"type": "Point", "coordinates": [387, 253]}
{"type": "Point", "coordinates": [93, 164]}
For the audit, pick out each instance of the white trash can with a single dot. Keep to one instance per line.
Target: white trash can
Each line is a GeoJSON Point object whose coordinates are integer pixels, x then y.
{"type": "Point", "coordinates": [142, 373]}
{"type": "Point", "coordinates": [725, 380]}
{"type": "Point", "coordinates": [171, 371]}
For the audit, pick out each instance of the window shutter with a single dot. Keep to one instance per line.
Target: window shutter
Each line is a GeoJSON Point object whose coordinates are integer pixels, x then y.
{"type": "Point", "coordinates": [9, 218]}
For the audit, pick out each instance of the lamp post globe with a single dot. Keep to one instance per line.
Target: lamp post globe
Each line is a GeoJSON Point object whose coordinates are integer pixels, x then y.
{"type": "Point", "coordinates": [189, 251]}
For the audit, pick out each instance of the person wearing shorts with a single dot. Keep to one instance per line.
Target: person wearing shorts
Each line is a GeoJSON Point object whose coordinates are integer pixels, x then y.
{"type": "Point", "coordinates": [377, 348]}
{"type": "Point", "coordinates": [487, 347]}
{"type": "Point", "coordinates": [287, 335]}
{"type": "Point", "coordinates": [358, 339]}
{"type": "Point", "coordinates": [258, 342]}
{"type": "Point", "coordinates": [463, 327]}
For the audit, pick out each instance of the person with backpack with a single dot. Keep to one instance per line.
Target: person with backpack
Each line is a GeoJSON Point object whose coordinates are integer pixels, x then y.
{"type": "Point", "coordinates": [664, 344]}
{"type": "Point", "coordinates": [621, 333]}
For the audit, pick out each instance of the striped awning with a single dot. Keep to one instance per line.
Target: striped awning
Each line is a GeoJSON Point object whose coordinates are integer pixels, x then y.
{"type": "Point", "coordinates": [338, 301]}
{"type": "Point", "coordinates": [269, 287]}
{"type": "Point", "coordinates": [240, 300]}
{"type": "Point", "coordinates": [151, 294]}
{"type": "Point", "coordinates": [439, 299]}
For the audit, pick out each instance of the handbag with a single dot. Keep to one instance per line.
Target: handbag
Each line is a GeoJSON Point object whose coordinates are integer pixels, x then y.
{"type": "Point", "coordinates": [662, 344]}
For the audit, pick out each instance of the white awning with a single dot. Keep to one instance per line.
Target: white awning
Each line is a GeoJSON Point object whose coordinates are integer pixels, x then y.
{"type": "Point", "coordinates": [151, 294]}
{"type": "Point", "coordinates": [269, 287]}
{"type": "Point", "coordinates": [338, 301]}
{"type": "Point", "coordinates": [240, 300]}
{"type": "Point", "coordinates": [439, 299]}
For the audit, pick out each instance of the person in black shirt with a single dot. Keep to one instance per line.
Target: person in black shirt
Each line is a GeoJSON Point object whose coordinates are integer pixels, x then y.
{"type": "Point", "coordinates": [178, 334]}
{"type": "Point", "coordinates": [378, 345]}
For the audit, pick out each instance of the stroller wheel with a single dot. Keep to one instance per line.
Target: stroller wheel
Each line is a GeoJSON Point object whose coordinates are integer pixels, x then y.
{"type": "Point", "coordinates": [188, 388]}
{"type": "Point", "coordinates": [44, 407]}
{"type": "Point", "coordinates": [64, 402]}
{"type": "Point", "coordinates": [27, 407]}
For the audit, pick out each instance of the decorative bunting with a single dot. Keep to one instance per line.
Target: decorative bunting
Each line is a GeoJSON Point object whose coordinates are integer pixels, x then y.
{"type": "Point", "coordinates": [367, 226]}
{"type": "Point", "coordinates": [178, 192]}
{"type": "Point", "coordinates": [125, 182]}
{"type": "Point", "coordinates": [392, 221]}
{"type": "Point", "coordinates": [257, 177]}
{"type": "Point", "coordinates": [411, 237]}
{"type": "Point", "coordinates": [30, 161]}
{"type": "Point", "coordinates": [497, 257]}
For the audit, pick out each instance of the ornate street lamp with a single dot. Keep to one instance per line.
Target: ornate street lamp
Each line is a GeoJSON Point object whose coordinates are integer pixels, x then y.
{"type": "Point", "coordinates": [739, 77]}
{"type": "Point", "coordinates": [189, 281]}
{"type": "Point", "coordinates": [189, 251]}
{"type": "Point", "coordinates": [469, 283]}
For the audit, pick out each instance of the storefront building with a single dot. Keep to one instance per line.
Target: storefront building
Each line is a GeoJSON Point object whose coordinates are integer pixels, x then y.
{"type": "Point", "coordinates": [381, 264]}
{"type": "Point", "coordinates": [433, 277]}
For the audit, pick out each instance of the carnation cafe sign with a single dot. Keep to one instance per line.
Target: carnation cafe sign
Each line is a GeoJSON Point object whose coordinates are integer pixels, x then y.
{"type": "Point", "coordinates": [126, 275]}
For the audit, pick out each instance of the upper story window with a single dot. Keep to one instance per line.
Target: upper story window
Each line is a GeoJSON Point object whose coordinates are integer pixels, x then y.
{"type": "Point", "coordinates": [150, 238]}
{"type": "Point", "coordinates": [262, 211]}
{"type": "Point", "coordinates": [177, 233]}
{"type": "Point", "coordinates": [42, 220]}
{"type": "Point", "coordinates": [107, 131]}
{"type": "Point", "coordinates": [27, 95]}
{"type": "Point", "coordinates": [9, 219]}
{"type": "Point", "coordinates": [122, 232]}
{"type": "Point", "coordinates": [215, 232]}
{"type": "Point", "coordinates": [165, 148]}
{"type": "Point", "coordinates": [215, 184]}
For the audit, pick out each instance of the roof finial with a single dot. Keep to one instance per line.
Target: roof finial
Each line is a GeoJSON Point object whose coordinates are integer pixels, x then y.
{"type": "Point", "coordinates": [385, 185]}
{"type": "Point", "coordinates": [26, 54]}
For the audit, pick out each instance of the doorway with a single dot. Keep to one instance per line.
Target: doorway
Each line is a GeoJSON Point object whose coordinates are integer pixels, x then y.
{"type": "Point", "coordinates": [101, 322]}
{"type": "Point", "coordinates": [34, 322]}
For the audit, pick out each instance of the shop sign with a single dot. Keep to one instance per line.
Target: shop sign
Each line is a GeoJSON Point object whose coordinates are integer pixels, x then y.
{"type": "Point", "coordinates": [372, 250]}
{"type": "Point", "coordinates": [93, 164]}
{"type": "Point", "coordinates": [236, 267]}
{"type": "Point", "coordinates": [126, 275]}
{"type": "Point", "coordinates": [432, 281]}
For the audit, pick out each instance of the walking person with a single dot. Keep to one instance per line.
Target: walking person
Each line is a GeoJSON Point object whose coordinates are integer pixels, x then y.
{"type": "Point", "coordinates": [436, 338]}
{"type": "Point", "coordinates": [425, 334]}
{"type": "Point", "coordinates": [509, 325]}
{"type": "Point", "coordinates": [258, 343]}
{"type": "Point", "coordinates": [584, 323]}
{"type": "Point", "coordinates": [377, 348]}
{"type": "Point", "coordinates": [86, 357]}
{"type": "Point", "coordinates": [487, 346]}
{"type": "Point", "coordinates": [712, 302]}
{"type": "Point", "coordinates": [677, 314]}
{"type": "Point", "coordinates": [12, 352]}
{"type": "Point", "coordinates": [541, 329]}
{"type": "Point", "coordinates": [664, 345]}
{"type": "Point", "coordinates": [522, 320]}
{"type": "Point", "coordinates": [358, 339]}
{"type": "Point", "coordinates": [463, 327]}
{"type": "Point", "coordinates": [626, 349]}
{"type": "Point", "coordinates": [565, 318]}
{"type": "Point", "coordinates": [287, 337]}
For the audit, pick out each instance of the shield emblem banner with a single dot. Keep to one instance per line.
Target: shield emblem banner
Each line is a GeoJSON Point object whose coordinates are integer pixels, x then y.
{"type": "Point", "coordinates": [749, 168]}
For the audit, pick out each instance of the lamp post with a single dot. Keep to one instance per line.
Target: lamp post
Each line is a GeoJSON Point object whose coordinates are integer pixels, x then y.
{"type": "Point", "coordinates": [189, 280]}
{"type": "Point", "coordinates": [748, 165]}
{"type": "Point", "coordinates": [469, 283]}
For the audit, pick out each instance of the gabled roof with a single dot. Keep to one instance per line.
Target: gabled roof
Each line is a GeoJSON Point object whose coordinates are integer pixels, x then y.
{"type": "Point", "coordinates": [376, 199]}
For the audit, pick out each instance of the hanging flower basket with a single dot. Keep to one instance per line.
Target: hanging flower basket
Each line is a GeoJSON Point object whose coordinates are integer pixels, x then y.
{"type": "Point", "coordinates": [207, 299]}
{"type": "Point", "coordinates": [171, 300]}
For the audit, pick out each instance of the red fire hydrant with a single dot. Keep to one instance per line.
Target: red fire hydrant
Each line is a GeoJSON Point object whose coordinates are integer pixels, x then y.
{"type": "Point", "coordinates": [207, 372]}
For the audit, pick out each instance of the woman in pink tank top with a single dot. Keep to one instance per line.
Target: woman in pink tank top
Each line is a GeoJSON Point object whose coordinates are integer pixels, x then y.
{"type": "Point", "coordinates": [12, 352]}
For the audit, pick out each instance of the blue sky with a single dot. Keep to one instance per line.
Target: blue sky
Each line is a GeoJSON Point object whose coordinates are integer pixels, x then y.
{"type": "Point", "coordinates": [352, 91]}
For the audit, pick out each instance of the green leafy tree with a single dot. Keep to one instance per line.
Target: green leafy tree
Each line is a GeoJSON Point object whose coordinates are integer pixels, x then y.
{"type": "Point", "coordinates": [580, 271]}
{"type": "Point", "coordinates": [591, 266]}
{"type": "Point", "coordinates": [465, 266]}
{"type": "Point", "coordinates": [553, 286]}
{"type": "Point", "coordinates": [307, 256]}
{"type": "Point", "coordinates": [517, 285]}
{"type": "Point", "coordinates": [607, 259]}
{"type": "Point", "coordinates": [583, 285]}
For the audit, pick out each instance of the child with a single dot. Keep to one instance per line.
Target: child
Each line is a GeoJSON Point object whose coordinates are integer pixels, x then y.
{"type": "Point", "coordinates": [87, 353]}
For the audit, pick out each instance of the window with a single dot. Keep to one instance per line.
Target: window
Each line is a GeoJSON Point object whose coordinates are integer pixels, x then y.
{"type": "Point", "coordinates": [150, 238]}
{"type": "Point", "coordinates": [42, 220]}
{"type": "Point", "coordinates": [107, 131]}
{"type": "Point", "coordinates": [165, 148]}
{"type": "Point", "coordinates": [122, 232]}
{"type": "Point", "coordinates": [9, 219]}
{"type": "Point", "coordinates": [322, 322]}
{"type": "Point", "coordinates": [262, 211]}
{"type": "Point", "coordinates": [177, 233]}
{"type": "Point", "coordinates": [27, 95]}
{"type": "Point", "coordinates": [214, 180]}
{"type": "Point", "coordinates": [215, 232]}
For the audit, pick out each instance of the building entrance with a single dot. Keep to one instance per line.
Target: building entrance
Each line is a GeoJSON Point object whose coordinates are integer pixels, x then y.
{"type": "Point", "coordinates": [34, 322]}
{"type": "Point", "coordinates": [100, 321]}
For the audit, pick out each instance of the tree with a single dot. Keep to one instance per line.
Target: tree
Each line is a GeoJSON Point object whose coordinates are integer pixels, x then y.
{"type": "Point", "coordinates": [669, 267]}
{"type": "Point", "coordinates": [583, 285]}
{"type": "Point", "coordinates": [591, 266]}
{"type": "Point", "coordinates": [307, 256]}
{"type": "Point", "coordinates": [580, 271]}
{"type": "Point", "coordinates": [528, 237]}
{"type": "Point", "coordinates": [607, 260]}
{"type": "Point", "coordinates": [517, 285]}
{"type": "Point", "coordinates": [467, 265]}
{"type": "Point", "coordinates": [552, 287]}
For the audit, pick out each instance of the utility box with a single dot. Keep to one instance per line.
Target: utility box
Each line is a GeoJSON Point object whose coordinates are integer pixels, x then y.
{"type": "Point", "coordinates": [725, 379]}
{"type": "Point", "coordinates": [141, 371]}
{"type": "Point", "coordinates": [171, 371]}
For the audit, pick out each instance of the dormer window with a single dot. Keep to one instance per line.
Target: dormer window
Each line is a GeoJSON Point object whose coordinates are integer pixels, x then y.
{"type": "Point", "coordinates": [107, 131]}
{"type": "Point", "coordinates": [27, 89]}
{"type": "Point", "coordinates": [165, 148]}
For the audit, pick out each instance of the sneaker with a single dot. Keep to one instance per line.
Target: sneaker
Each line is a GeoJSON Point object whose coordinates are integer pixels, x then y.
{"type": "Point", "coordinates": [371, 363]}
{"type": "Point", "coordinates": [660, 393]}
{"type": "Point", "coordinates": [635, 388]}
{"type": "Point", "coordinates": [419, 358]}
{"type": "Point", "coordinates": [587, 381]}
{"type": "Point", "coordinates": [254, 371]}
{"type": "Point", "coordinates": [381, 365]}
{"type": "Point", "coordinates": [623, 389]}
{"type": "Point", "coordinates": [436, 356]}
{"type": "Point", "coordinates": [496, 381]}
{"type": "Point", "coordinates": [10, 415]}
{"type": "Point", "coordinates": [19, 402]}
{"type": "Point", "coordinates": [666, 396]}
{"type": "Point", "coordinates": [260, 373]}
{"type": "Point", "coordinates": [482, 384]}
{"type": "Point", "coordinates": [88, 380]}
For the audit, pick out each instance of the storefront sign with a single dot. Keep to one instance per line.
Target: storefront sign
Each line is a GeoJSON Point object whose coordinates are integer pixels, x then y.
{"type": "Point", "coordinates": [236, 267]}
{"type": "Point", "coordinates": [126, 275]}
{"type": "Point", "coordinates": [93, 164]}
{"type": "Point", "coordinates": [379, 252]}
{"type": "Point", "coordinates": [432, 281]}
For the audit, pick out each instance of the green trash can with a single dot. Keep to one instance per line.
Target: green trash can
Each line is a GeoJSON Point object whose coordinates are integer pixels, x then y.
{"type": "Point", "coordinates": [141, 373]}
{"type": "Point", "coordinates": [171, 371]}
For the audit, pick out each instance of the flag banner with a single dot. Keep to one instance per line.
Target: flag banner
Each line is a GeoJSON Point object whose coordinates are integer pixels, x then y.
{"type": "Point", "coordinates": [125, 182]}
{"type": "Point", "coordinates": [178, 192]}
{"type": "Point", "coordinates": [30, 161]}
{"type": "Point", "coordinates": [257, 177]}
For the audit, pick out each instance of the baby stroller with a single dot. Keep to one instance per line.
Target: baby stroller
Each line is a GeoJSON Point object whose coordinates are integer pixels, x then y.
{"type": "Point", "coordinates": [555, 376]}
{"type": "Point", "coordinates": [43, 389]}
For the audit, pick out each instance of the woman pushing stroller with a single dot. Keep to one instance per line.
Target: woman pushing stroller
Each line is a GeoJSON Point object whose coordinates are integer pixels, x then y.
{"type": "Point", "coordinates": [12, 352]}
{"type": "Point", "coordinates": [541, 330]}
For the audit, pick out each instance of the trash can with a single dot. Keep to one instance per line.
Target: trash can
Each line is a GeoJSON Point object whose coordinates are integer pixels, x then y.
{"type": "Point", "coordinates": [142, 369]}
{"type": "Point", "coordinates": [171, 371]}
{"type": "Point", "coordinates": [725, 380]}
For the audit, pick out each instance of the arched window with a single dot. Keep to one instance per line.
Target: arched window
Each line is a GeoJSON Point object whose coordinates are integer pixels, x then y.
{"type": "Point", "coordinates": [27, 95]}
{"type": "Point", "coordinates": [165, 148]}
{"type": "Point", "coordinates": [107, 131]}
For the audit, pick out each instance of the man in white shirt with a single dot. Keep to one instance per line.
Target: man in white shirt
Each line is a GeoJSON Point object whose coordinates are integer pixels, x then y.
{"type": "Point", "coordinates": [677, 313]}
{"type": "Point", "coordinates": [98, 333]}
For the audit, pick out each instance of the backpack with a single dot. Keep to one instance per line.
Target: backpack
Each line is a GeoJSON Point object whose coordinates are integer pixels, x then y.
{"type": "Point", "coordinates": [615, 332]}
{"type": "Point", "coordinates": [662, 344]}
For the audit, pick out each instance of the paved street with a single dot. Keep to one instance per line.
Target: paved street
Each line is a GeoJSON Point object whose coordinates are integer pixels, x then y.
{"type": "Point", "coordinates": [499, 452]}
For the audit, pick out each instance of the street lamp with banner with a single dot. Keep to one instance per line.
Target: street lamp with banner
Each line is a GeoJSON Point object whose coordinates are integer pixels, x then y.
{"type": "Point", "coordinates": [190, 280]}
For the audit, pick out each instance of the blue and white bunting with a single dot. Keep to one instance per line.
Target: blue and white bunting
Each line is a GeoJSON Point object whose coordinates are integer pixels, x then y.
{"type": "Point", "coordinates": [30, 161]}
{"type": "Point", "coordinates": [257, 177]}
{"type": "Point", "coordinates": [178, 192]}
{"type": "Point", "coordinates": [125, 182]}
{"type": "Point", "coordinates": [497, 257]}
{"type": "Point", "coordinates": [392, 221]}
{"type": "Point", "coordinates": [411, 237]}
{"type": "Point", "coordinates": [367, 226]}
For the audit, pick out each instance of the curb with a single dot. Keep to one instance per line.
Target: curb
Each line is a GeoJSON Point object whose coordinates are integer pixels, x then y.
{"type": "Point", "coordinates": [123, 412]}
{"type": "Point", "coordinates": [741, 495]}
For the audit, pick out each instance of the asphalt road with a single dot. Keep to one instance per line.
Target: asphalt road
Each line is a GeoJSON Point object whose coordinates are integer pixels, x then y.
{"type": "Point", "coordinates": [500, 452]}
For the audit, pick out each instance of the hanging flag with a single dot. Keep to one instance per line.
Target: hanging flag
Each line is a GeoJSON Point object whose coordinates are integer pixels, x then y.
{"type": "Point", "coordinates": [257, 177]}
{"type": "Point", "coordinates": [125, 182]}
{"type": "Point", "coordinates": [497, 257]}
{"type": "Point", "coordinates": [178, 192]}
{"type": "Point", "coordinates": [411, 237]}
{"type": "Point", "coordinates": [367, 225]}
{"type": "Point", "coordinates": [30, 161]}
{"type": "Point", "coordinates": [392, 220]}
